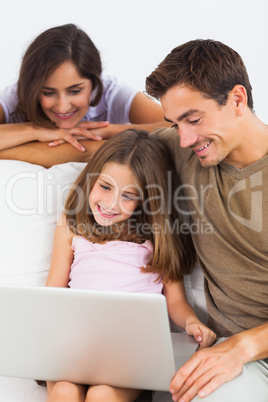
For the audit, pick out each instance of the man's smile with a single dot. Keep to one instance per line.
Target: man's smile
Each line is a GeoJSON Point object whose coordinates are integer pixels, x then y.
{"type": "Point", "coordinates": [202, 148]}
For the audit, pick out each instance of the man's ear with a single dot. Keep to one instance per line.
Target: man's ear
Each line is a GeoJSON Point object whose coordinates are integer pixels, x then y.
{"type": "Point", "coordinates": [240, 99]}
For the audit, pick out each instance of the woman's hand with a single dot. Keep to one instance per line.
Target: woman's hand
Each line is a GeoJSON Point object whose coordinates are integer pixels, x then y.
{"type": "Point", "coordinates": [85, 130]}
{"type": "Point", "coordinates": [88, 130]}
{"type": "Point", "coordinates": [201, 333]}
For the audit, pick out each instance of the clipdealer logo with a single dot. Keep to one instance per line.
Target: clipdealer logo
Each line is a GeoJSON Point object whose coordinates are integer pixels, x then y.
{"type": "Point", "coordinates": [44, 197]}
{"type": "Point", "coordinates": [255, 220]}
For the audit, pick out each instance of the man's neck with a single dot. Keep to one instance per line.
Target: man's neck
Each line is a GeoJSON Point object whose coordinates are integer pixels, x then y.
{"type": "Point", "coordinates": [254, 146]}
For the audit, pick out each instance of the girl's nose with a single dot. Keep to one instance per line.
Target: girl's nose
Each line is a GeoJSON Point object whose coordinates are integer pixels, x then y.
{"type": "Point", "coordinates": [115, 201]}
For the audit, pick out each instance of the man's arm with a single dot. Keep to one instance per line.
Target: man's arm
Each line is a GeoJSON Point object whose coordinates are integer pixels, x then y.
{"type": "Point", "coordinates": [209, 368]}
{"type": "Point", "coordinates": [40, 153]}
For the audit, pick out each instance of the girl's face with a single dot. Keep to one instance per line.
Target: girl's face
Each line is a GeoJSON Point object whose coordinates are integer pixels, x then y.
{"type": "Point", "coordinates": [65, 96]}
{"type": "Point", "coordinates": [115, 195]}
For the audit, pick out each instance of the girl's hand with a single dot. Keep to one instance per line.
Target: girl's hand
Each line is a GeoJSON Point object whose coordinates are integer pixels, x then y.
{"type": "Point", "coordinates": [201, 333]}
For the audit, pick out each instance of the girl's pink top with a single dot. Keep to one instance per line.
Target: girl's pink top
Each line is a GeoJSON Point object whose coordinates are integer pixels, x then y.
{"type": "Point", "coordinates": [113, 266]}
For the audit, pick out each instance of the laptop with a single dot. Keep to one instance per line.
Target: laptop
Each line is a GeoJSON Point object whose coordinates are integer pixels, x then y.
{"type": "Point", "coordinates": [89, 337]}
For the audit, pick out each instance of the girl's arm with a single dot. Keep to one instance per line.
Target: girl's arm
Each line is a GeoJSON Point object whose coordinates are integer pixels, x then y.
{"type": "Point", "coordinates": [62, 255]}
{"type": "Point", "coordinates": [183, 315]}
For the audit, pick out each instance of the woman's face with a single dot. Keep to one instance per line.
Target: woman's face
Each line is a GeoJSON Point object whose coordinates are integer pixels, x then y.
{"type": "Point", "coordinates": [65, 96]}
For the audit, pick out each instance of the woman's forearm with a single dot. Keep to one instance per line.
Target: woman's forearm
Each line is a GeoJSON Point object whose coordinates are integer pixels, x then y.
{"type": "Point", "coordinates": [12, 135]}
{"type": "Point", "coordinates": [41, 154]}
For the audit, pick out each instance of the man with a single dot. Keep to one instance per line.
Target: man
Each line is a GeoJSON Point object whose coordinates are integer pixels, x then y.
{"type": "Point", "coordinates": [220, 152]}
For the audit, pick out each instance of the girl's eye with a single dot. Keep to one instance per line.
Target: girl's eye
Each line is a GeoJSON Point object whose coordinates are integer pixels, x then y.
{"type": "Point", "coordinates": [132, 197]}
{"type": "Point", "coordinates": [106, 188]}
{"type": "Point", "coordinates": [127, 197]}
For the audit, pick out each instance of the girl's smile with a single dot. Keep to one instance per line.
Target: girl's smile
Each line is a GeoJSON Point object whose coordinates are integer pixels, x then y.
{"type": "Point", "coordinates": [65, 97]}
{"type": "Point", "coordinates": [105, 213]}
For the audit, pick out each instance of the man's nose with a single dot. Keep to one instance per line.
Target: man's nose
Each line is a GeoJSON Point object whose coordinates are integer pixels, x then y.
{"type": "Point", "coordinates": [186, 137]}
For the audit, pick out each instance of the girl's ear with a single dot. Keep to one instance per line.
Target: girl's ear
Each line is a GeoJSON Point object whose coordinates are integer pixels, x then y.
{"type": "Point", "coordinates": [240, 99]}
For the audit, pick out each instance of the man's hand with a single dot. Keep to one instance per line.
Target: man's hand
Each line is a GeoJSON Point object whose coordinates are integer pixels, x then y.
{"type": "Point", "coordinates": [207, 370]}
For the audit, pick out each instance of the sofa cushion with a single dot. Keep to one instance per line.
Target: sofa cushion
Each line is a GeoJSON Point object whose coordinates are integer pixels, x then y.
{"type": "Point", "coordinates": [31, 199]}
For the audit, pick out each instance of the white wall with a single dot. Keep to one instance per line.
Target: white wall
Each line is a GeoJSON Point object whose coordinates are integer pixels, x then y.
{"type": "Point", "coordinates": [133, 36]}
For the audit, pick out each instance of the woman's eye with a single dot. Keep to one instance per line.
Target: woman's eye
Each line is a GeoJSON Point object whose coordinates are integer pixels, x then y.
{"type": "Point", "coordinates": [48, 93]}
{"type": "Point", "coordinates": [75, 91]}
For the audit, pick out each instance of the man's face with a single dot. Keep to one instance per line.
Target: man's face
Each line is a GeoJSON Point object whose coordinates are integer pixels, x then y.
{"type": "Point", "coordinates": [202, 125]}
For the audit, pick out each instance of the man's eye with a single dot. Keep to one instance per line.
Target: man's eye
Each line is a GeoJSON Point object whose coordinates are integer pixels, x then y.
{"type": "Point", "coordinates": [174, 125]}
{"type": "Point", "coordinates": [196, 121]}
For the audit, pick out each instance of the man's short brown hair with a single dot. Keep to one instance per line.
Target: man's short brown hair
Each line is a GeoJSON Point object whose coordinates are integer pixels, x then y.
{"type": "Point", "coordinates": [207, 66]}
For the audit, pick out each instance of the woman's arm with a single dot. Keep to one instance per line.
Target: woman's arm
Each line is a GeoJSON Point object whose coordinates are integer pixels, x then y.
{"type": "Point", "coordinates": [40, 153]}
{"type": "Point", "coordinates": [12, 135]}
{"type": "Point", "coordinates": [144, 114]}
{"type": "Point", "coordinates": [62, 255]}
{"type": "Point", "coordinates": [183, 315]}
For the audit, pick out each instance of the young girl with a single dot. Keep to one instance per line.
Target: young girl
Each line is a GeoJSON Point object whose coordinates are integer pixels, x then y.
{"type": "Point", "coordinates": [117, 234]}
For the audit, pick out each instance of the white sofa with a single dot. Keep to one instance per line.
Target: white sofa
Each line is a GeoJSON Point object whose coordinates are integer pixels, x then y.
{"type": "Point", "coordinates": [31, 199]}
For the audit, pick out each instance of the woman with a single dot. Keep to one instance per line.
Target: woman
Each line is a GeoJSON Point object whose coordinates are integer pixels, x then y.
{"type": "Point", "coordinates": [61, 95]}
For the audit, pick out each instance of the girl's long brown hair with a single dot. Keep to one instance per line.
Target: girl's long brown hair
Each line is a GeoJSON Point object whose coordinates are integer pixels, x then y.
{"type": "Point", "coordinates": [156, 220]}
